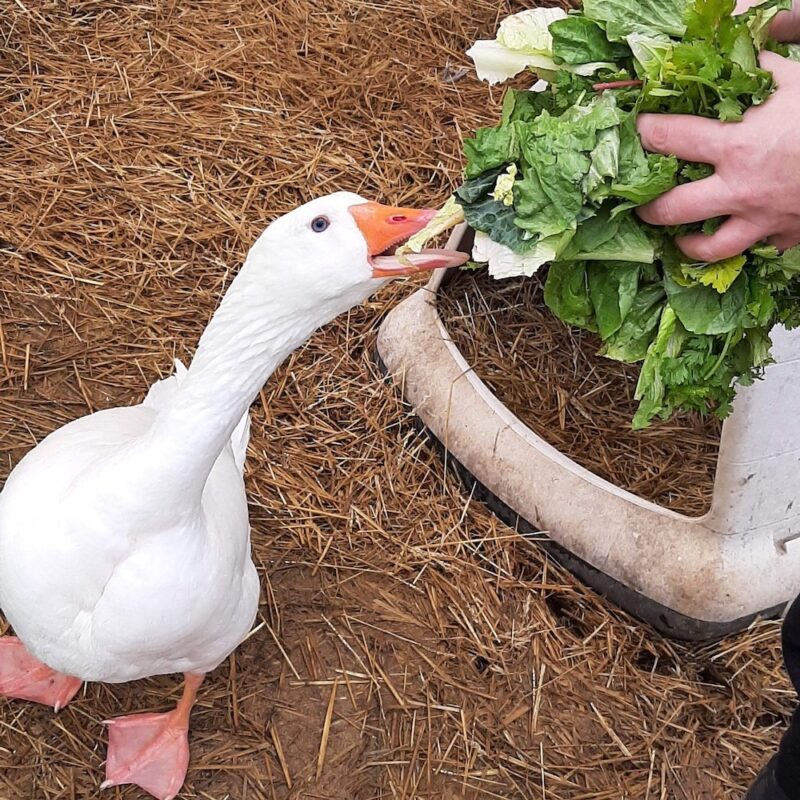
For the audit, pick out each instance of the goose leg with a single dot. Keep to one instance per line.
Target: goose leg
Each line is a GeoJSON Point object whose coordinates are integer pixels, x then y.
{"type": "Point", "coordinates": [152, 750]}
{"type": "Point", "coordinates": [24, 678]}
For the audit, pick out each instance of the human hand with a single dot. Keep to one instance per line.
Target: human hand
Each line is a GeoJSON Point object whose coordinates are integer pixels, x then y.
{"type": "Point", "coordinates": [756, 183]}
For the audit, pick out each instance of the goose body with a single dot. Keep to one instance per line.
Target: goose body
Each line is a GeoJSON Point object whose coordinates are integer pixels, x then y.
{"type": "Point", "coordinates": [124, 535]}
{"type": "Point", "coordinates": [124, 588]}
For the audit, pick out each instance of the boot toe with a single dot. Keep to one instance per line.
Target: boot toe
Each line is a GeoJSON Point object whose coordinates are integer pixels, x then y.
{"type": "Point", "coordinates": [766, 786]}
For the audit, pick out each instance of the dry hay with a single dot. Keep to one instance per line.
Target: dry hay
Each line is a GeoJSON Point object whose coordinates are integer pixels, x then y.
{"type": "Point", "coordinates": [552, 378]}
{"type": "Point", "coordinates": [432, 652]}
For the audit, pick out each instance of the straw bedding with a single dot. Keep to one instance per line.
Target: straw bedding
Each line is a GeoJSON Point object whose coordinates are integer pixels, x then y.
{"type": "Point", "coordinates": [408, 644]}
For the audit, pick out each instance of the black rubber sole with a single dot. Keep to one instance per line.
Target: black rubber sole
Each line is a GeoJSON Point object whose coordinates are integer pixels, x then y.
{"type": "Point", "coordinates": [665, 620]}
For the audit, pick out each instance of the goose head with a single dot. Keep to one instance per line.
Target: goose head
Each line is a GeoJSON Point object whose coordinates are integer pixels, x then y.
{"type": "Point", "coordinates": [338, 249]}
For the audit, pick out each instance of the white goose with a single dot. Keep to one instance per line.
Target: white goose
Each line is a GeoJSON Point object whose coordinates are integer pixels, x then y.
{"type": "Point", "coordinates": [124, 535]}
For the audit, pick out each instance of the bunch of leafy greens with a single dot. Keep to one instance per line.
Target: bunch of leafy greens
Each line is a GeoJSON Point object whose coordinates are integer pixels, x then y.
{"type": "Point", "coordinates": [556, 181]}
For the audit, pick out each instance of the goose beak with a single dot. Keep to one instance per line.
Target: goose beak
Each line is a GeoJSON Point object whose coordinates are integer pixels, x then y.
{"type": "Point", "coordinates": [386, 227]}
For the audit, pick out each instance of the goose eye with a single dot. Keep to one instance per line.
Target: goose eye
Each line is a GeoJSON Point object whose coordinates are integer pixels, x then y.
{"type": "Point", "coordinates": [320, 224]}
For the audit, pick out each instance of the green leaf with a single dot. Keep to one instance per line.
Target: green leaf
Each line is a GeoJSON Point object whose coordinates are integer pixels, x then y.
{"type": "Point", "coordinates": [604, 161]}
{"type": "Point", "coordinates": [483, 213]}
{"type": "Point", "coordinates": [547, 201]}
{"type": "Point", "coordinates": [702, 309]}
{"type": "Point", "coordinates": [556, 154]}
{"type": "Point", "coordinates": [621, 238]}
{"type": "Point", "coordinates": [612, 288]}
{"type": "Point", "coordinates": [579, 40]}
{"type": "Point", "coordinates": [566, 293]}
{"type": "Point", "coordinates": [744, 52]}
{"type": "Point", "coordinates": [650, 389]}
{"type": "Point", "coordinates": [790, 261]}
{"type": "Point", "coordinates": [491, 148]}
{"type": "Point", "coordinates": [525, 106]}
{"type": "Point", "coordinates": [761, 305]}
{"type": "Point", "coordinates": [695, 172]}
{"type": "Point", "coordinates": [478, 188]}
{"type": "Point", "coordinates": [651, 53]}
{"type": "Point", "coordinates": [722, 274]}
{"type": "Point", "coordinates": [630, 342]}
{"type": "Point", "coordinates": [642, 176]}
{"type": "Point", "coordinates": [760, 345]}
{"type": "Point", "coordinates": [622, 17]}
{"type": "Point", "coordinates": [569, 89]}
{"type": "Point", "coordinates": [712, 225]}
{"type": "Point", "coordinates": [729, 109]}
{"type": "Point", "coordinates": [581, 169]}
{"type": "Point", "coordinates": [704, 17]}
{"type": "Point", "coordinates": [759, 18]}
{"type": "Point", "coordinates": [498, 221]}
{"type": "Point", "coordinates": [661, 176]}
{"type": "Point", "coordinates": [690, 371]}
{"type": "Point", "coordinates": [719, 275]}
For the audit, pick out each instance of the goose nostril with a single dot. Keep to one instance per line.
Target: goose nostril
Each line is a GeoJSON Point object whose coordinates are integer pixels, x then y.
{"type": "Point", "coordinates": [398, 218]}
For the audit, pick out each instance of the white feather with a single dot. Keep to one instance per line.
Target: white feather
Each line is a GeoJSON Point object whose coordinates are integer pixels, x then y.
{"type": "Point", "coordinates": [124, 535]}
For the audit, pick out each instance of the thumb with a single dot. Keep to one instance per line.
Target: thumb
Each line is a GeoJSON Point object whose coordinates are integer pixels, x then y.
{"type": "Point", "coordinates": [784, 69]}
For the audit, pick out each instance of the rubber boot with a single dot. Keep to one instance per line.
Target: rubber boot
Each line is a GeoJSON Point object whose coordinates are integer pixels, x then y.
{"type": "Point", "coordinates": [766, 785]}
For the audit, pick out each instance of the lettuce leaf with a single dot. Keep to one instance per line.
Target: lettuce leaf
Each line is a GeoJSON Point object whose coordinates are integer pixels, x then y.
{"type": "Point", "coordinates": [491, 148]}
{"type": "Point", "coordinates": [702, 309]}
{"type": "Point", "coordinates": [623, 17]}
{"type": "Point", "coordinates": [566, 293]}
{"type": "Point", "coordinates": [631, 342]}
{"type": "Point", "coordinates": [578, 40]}
{"type": "Point", "coordinates": [605, 238]}
{"type": "Point", "coordinates": [613, 287]}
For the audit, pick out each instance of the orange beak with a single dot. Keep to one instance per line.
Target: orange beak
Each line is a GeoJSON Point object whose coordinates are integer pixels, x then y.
{"type": "Point", "coordinates": [385, 227]}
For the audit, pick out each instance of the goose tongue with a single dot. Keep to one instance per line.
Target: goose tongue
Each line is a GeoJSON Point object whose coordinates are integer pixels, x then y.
{"type": "Point", "coordinates": [412, 263]}
{"type": "Point", "coordinates": [386, 227]}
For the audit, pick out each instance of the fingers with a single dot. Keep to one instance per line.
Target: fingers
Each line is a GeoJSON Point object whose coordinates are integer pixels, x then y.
{"type": "Point", "coordinates": [690, 202]}
{"type": "Point", "coordinates": [687, 137]}
{"type": "Point", "coordinates": [733, 238]}
{"type": "Point", "coordinates": [784, 242]}
{"type": "Point", "coordinates": [783, 69]}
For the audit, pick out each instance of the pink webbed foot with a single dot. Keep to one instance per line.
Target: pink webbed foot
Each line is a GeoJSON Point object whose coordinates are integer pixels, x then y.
{"type": "Point", "coordinates": [25, 678]}
{"type": "Point", "coordinates": [152, 750]}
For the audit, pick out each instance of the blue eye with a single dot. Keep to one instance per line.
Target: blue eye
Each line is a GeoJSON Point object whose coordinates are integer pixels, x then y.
{"type": "Point", "coordinates": [320, 224]}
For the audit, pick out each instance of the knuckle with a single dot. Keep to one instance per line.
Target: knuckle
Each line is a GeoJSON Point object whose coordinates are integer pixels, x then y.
{"type": "Point", "coordinates": [759, 200]}
{"type": "Point", "coordinates": [705, 248]}
{"type": "Point", "coordinates": [706, 251]}
{"type": "Point", "coordinates": [750, 198]}
{"type": "Point", "coordinates": [739, 155]}
{"type": "Point", "coordinates": [658, 134]}
{"type": "Point", "coordinates": [664, 211]}
{"type": "Point", "coordinates": [738, 151]}
{"type": "Point", "coordinates": [742, 196]}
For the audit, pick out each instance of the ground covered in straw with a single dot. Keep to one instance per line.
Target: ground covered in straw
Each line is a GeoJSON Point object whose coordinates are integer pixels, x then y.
{"type": "Point", "coordinates": [409, 645]}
